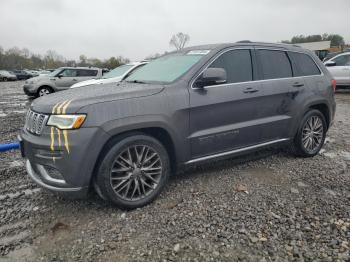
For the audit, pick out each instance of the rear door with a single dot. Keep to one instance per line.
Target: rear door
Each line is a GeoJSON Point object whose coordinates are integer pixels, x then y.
{"type": "Point", "coordinates": [223, 116]}
{"type": "Point", "coordinates": [341, 70]}
{"type": "Point", "coordinates": [278, 88]}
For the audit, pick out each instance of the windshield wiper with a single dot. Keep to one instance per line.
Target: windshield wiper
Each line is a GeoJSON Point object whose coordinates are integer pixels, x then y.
{"type": "Point", "coordinates": [137, 82]}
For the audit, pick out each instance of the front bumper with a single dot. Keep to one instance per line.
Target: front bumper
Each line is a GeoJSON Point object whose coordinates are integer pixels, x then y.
{"type": "Point", "coordinates": [29, 90]}
{"type": "Point", "coordinates": [56, 169]}
{"type": "Point", "coordinates": [42, 177]}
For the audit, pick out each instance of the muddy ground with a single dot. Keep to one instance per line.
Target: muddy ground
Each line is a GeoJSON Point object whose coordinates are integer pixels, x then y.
{"type": "Point", "coordinates": [269, 205]}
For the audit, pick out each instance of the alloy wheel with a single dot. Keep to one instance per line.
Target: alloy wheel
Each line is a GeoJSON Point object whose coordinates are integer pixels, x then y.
{"type": "Point", "coordinates": [136, 172]}
{"type": "Point", "coordinates": [312, 133]}
{"type": "Point", "coordinates": [44, 92]}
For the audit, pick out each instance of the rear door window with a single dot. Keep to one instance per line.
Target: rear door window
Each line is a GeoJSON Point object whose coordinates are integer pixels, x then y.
{"type": "Point", "coordinates": [87, 72]}
{"type": "Point", "coordinates": [304, 65]}
{"type": "Point", "coordinates": [274, 64]}
{"type": "Point", "coordinates": [238, 65]}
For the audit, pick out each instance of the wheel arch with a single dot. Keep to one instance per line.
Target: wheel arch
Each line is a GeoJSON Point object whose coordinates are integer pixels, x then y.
{"type": "Point", "coordinates": [324, 109]}
{"type": "Point", "coordinates": [157, 132]}
{"type": "Point", "coordinates": [47, 86]}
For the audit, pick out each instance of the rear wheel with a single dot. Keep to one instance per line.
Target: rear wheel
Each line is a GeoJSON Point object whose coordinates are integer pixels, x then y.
{"type": "Point", "coordinates": [4, 79]}
{"type": "Point", "coordinates": [311, 134]}
{"type": "Point", "coordinates": [133, 172]}
{"type": "Point", "coordinates": [43, 91]}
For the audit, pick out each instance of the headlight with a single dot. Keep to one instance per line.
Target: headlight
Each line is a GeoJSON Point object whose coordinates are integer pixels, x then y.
{"type": "Point", "coordinates": [66, 121]}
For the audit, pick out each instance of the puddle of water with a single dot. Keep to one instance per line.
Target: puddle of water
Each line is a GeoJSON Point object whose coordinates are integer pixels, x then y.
{"type": "Point", "coordinates": [261, 176]}
{"type": "Point", "coordinates": [16, 163]}
{"type": "Point", "coordinates": [22, 254]}
{"type": "Point", "coordinates": [342, 154]}
{"type": "Point", "coordinates": [19, 111]}
{"type": "Point", "coordinates": [12, 226]}
{"type": "Point", "coordinates": [330, 154]}
{"type": "Point", "coordinates": [329, 140]}
{"type": "Point", "coordinates": [26, 192]}
{"type": "Point", "coordinates": [346, 155]}
{"type": "Point", "coordinates": [6, 240]}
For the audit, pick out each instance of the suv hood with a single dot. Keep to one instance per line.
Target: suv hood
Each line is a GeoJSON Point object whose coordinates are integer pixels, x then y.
{"type": "Point", "coordinates": [76, 98]}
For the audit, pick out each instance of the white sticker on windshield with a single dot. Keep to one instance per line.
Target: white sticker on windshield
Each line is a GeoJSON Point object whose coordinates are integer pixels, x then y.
{"type": "Point", "coordinates": [198, 52]}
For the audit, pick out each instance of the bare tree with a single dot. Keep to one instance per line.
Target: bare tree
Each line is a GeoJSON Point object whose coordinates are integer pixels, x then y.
{"type": "Point", "coordinates": [179, 40]}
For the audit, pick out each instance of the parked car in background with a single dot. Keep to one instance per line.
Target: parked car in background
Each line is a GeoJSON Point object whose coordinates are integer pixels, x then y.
{"type": "Point", "coordinates": [21, 74]}
{"type": "Point", "coordinates": [190, 106]}
{"type": "Point", "coordinates": [32, 72]}
{"type": "Point", "coordinates": [339, 67]}
{"type": "Point", "coordinates": [7, 76]}
{"type": "Point", "coordinates": [58, 80]}
{"type": "Point", "coordinates": [44, 72]}
{"type": "Point", "coordinates": [116, 75]}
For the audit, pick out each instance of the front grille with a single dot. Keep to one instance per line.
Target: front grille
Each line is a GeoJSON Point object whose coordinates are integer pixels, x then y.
{"type": "Point", "coordinates": [35, 122]}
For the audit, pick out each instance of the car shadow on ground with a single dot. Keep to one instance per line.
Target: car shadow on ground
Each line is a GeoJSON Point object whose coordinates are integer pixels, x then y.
{"type": "Point", "coordinates": [188, 173]}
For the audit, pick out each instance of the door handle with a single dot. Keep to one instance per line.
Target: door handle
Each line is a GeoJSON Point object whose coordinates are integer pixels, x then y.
{"type": "Point", "coordinates": [297, 84]}
{"type": "Point", "coordinates": [250, 90]}
{"type": "Point", "coordinates": [74, 79]}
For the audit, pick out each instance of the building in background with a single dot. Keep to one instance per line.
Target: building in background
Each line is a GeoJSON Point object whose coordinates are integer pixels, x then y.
{"type": "Point", "coordinates": [321, 48]}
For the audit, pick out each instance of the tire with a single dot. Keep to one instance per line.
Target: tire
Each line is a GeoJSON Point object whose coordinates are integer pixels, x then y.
{"type": "Point", "coordinates": [4, 79]}
{"type": "Point", "coordinates": [133, 171]}
{"type": "Point", "coordinates": [311, 134]}
{"type": "Point", "coordinates": [43, 91]}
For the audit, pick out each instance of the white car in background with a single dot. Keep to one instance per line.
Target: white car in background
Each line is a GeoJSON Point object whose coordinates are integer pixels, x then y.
{"type": "Point", "coordinates": [116, 75]}
{"type": "Point", "coordinates": [339, 67]}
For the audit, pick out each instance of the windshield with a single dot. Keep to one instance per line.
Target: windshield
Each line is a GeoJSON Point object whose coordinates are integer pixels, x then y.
{"type": "Point", "coordinates": [118, 71]}
{"type": "Point", "coordinates": [54, 73]}
{"type": "Point", "coordinates": [166, 69]}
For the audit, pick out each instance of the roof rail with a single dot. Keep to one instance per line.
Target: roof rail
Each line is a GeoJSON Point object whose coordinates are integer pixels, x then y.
{"type": "Point", "coordinates": [244, 41]}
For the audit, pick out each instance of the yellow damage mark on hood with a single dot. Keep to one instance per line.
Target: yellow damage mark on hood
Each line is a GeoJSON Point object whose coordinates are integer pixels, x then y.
{"type": "Point", "coordinates": [60, 108]}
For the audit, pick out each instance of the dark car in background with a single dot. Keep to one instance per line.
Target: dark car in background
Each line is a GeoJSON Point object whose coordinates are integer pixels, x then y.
{"type": "Point", "coordinates": [21, 74]}
{"type": "Point", "coordinates": [191, 106]}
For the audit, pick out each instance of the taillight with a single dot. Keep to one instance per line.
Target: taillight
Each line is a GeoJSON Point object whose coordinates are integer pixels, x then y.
{"type": "Point", "coordinates": [334, 84]}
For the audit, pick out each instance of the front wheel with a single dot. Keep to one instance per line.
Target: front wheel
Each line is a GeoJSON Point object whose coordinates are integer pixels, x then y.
{"type": "Point", "coordinates": [133, 172]}
{"type": "Point", "coordinates": [311, 134]}
{"type": "Point", "coordinates": [43, 91]}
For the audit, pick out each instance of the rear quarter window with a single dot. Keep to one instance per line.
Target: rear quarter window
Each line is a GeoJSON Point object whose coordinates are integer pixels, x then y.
{"type": "Point", "coordinates": [86, 72]}
{"type": "Point", "coordinates": [304, 64]}
{"type": "Point", "coordinates": [274, 64]}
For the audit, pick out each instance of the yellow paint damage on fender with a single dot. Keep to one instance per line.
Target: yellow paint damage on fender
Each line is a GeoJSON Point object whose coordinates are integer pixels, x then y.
{"type": "Point", "coordinates": [60, 108]}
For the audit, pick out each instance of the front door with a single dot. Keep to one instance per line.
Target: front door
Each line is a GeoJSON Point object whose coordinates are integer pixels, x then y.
{"type": "Point", "coordinates": [223, 117]}
{"type": "Point", "coordinates": [66, 79]}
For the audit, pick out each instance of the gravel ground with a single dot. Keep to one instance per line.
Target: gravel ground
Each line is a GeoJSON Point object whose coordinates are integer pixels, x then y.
{"type": "Point", "coordinates": [265, 206]}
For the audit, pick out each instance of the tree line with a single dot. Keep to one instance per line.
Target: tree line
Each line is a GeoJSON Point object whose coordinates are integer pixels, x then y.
{"type": "Point", "coordinates": [16, 58]}
{"type": "Point", "coordinates": [336, 40]}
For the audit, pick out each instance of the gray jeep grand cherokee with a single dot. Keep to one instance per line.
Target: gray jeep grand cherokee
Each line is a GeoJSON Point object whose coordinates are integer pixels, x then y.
{"type": "Point", "coordinates": [198, 104]}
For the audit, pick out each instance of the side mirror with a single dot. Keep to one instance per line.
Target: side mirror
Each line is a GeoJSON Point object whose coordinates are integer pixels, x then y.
{"type": "Point", "coordinates": [212, 76]}
{"type": "Point", "coordinates": [330, 63]}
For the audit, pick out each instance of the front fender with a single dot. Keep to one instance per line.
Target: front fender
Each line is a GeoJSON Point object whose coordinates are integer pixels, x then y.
{"type": "Point", "coordinates": [122, 125]}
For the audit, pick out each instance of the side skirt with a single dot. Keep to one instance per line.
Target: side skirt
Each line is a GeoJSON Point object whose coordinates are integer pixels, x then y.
{"type": "Point", "coordinates": [236, 151]}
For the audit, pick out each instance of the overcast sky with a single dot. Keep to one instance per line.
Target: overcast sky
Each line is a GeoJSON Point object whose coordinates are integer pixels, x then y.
{"type": "Point", "coordinates": [138, 28]}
